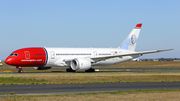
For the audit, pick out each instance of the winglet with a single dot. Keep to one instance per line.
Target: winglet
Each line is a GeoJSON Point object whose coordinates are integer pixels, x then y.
{"type": "Point", "coordinates": [139, 25]}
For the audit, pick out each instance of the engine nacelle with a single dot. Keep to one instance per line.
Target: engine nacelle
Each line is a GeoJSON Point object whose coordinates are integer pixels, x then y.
{"type": "Point", "coordinates": [42, 68]}
{"type": "Point", "coordinates": [80, 64]}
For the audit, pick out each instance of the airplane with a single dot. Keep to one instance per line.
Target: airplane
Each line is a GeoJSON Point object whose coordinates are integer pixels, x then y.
{"type": "Point", "coordinates": [42, 58]}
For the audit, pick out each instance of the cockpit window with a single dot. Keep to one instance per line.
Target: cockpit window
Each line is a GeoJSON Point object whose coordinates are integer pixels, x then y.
{"type": "Point", "coordinates": [14, 54]}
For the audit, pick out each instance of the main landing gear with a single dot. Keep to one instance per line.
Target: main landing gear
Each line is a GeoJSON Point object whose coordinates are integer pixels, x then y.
{"type": "Point", "coordinates": [90, 70]}
{"type": "Point", "coordinates": [70, 70]}
{"type": "Point", "coordinates": [20, 69]}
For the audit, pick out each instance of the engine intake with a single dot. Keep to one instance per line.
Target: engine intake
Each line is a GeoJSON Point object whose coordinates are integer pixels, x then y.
{"type": "Point", "coordinates": [80, 64]}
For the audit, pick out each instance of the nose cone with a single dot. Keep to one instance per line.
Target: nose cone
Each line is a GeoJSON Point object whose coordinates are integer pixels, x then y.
{"type": "Point", "coordinates": [8, 60]}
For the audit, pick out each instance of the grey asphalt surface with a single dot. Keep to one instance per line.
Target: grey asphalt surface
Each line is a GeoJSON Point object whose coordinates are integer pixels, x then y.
{"type": "Point", "coordinates": [84, 88]}
{"type": "Point", "coordinates": [101, 69]}
{"type": "Point", "coordinates": [106, 69]}
{"type": "Point", "coordinates": [120, 68]}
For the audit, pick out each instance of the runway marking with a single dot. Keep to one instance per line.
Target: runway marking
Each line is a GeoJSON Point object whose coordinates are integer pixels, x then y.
{"type": "Point", "coordinates": [7, 71]}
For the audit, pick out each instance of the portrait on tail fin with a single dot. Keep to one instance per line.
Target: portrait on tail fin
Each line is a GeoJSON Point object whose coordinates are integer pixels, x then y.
{"type": "Point", "coordinates": [132, 45]}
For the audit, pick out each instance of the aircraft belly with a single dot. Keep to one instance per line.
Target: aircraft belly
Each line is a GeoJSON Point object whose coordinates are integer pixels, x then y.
{"type": "Point", "coordinates": [114, 61]}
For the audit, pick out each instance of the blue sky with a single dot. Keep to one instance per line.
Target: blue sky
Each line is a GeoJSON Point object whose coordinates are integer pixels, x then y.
{"type": "Point", "coordinates": [89, 23]}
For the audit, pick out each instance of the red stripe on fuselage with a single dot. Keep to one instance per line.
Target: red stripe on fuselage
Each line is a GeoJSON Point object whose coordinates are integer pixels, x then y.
{"type": "Point", "coordinates": [28, 57]}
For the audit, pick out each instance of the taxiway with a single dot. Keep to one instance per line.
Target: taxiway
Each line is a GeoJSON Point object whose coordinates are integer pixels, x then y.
{"type": "Point", "coordinates": [84, 88]}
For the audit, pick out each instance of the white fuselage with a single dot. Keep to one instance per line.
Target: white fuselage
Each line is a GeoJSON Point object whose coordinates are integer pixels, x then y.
{"type": "Point", "coordinates": [57, 56]}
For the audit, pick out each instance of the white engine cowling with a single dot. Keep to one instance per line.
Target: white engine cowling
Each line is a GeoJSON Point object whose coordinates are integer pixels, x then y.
{"type": "Point", "coordinates": [80, 64]}
{"type": "Point", "coordinates": [42, 68]}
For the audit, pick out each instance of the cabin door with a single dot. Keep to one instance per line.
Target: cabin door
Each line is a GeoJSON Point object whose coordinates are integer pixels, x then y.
{"type": "Point", "coordinates": [27, 54]}
{"type": "Point", "coordinates": [52, 55]}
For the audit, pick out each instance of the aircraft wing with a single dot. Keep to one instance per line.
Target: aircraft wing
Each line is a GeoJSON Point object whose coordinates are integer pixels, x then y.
{"type": "Point", "coordinates": [99, 58]}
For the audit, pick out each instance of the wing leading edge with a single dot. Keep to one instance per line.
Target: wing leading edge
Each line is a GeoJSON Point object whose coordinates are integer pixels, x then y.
{"type": "Point", "coordinates": [100, 58]}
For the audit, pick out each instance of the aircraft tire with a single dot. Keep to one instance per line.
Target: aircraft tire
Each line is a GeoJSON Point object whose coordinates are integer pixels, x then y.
{"type": "Point", "coordinates": [20, 71]}
{"type": "Point", "coordinates": [90, 70]}
{"type": "Point", "coordinates": [70, 70]}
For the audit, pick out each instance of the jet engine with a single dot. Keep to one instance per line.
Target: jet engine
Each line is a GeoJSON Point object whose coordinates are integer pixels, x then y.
{"type": "Point", "coordinates": [80, 64]}
{"type": "Point", "coordinates": [42, 68]}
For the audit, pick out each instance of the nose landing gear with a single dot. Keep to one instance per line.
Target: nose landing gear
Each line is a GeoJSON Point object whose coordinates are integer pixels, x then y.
{"type": "Point", "coordinates": [20, 69]}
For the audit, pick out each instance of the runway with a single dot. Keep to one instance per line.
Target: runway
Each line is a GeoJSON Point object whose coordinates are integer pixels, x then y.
{"type": "Point", "coordinates": [115, 68]}
{"type": "Point", "coordinates": [84, 88]}
{"type": "Point", "coordinates": [100, 69]}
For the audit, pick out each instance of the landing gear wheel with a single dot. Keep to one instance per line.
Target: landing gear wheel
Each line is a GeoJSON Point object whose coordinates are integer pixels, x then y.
{"type": "Point", "coordinates": [90, 70]}
{"type": "Point", "coordinates": [70, 70]}
{"type": "Point", "coordinates": [20, 71]}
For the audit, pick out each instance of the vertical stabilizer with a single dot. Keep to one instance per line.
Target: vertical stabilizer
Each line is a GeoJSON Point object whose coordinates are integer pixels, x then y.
{"type": "Point", "coordinates": [131, 41]}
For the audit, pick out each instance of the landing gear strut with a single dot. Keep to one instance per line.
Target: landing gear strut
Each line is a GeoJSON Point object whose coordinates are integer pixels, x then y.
{"type": "Point", "coordinates": [20, 69]}
{"type": "Point", "coordinates": [70, 70]}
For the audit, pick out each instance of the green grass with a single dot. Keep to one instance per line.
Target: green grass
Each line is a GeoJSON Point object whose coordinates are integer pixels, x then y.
{"type": "Point", "coordinates": [11, 93]}
{"type": "Point", "coordinates": [116, 92]}
{"type": "Point", "coordinates": [13, 80]}
{"type": "Point", "coordinates": [77, 78]}
{"type": "Point", "coordinates": [139, 95]}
